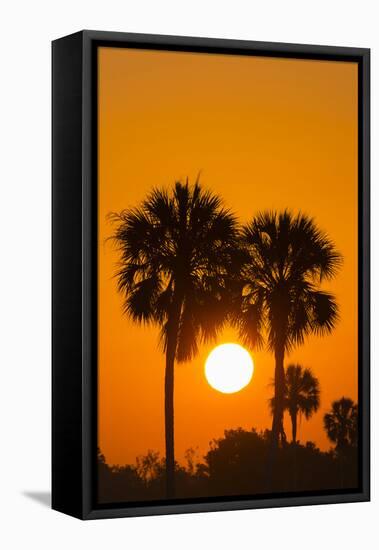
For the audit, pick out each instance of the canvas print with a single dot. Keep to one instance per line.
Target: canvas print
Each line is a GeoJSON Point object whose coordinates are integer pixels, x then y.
{"type": "Point", "coordinates": [227, 276]}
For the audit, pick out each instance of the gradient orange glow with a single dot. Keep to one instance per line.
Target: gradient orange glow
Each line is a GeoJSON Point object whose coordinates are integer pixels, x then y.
{"type": "Point", "coordinates": [265, 133]}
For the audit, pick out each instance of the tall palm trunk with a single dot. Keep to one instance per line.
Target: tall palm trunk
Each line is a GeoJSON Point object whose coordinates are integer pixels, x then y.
{"type": "Point", "coordinates": [172, 340]}
{"type": "Point", "coordinates": [293, 415]}
{"type": "Point", "coordinates": [277, 420]}
{"type": "Point", "coordinates": [169, 422]}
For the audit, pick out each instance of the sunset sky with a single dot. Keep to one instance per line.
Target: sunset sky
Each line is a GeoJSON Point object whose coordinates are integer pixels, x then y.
{"type": "Point", "coordinates": [265, 133]}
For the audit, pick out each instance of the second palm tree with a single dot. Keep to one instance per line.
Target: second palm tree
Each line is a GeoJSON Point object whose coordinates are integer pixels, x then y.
{"type": "Point", "coordinates": [289, 257]}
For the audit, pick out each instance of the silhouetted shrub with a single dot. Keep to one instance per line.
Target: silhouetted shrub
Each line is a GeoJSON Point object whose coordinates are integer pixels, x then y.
{"type": "Point", "coordinates": [236, 464]}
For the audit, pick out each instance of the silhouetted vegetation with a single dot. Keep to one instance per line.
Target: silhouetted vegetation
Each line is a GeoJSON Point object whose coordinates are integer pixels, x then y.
{"type": "Point", "coordinates": [301, 395]}
{"type": "Point", "coordinates": [234, 465]}
{"type": "Point", "coordinates": [341, 425]}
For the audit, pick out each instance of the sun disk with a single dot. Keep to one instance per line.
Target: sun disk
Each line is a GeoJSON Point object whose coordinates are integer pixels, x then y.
{"type": "Point", "coordinates": [229, 368]}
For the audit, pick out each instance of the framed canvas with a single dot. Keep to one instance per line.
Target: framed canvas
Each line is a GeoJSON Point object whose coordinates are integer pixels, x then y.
{"type": "Point", "coordinates": [210, 275]}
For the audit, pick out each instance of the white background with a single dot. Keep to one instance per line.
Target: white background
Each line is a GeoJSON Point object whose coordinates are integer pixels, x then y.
{"type": "Point", "coordinates": [27, 27]}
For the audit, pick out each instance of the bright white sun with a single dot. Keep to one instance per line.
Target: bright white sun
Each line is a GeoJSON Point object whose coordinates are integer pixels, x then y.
{"type": "Point", "coordinates": [229, 368]}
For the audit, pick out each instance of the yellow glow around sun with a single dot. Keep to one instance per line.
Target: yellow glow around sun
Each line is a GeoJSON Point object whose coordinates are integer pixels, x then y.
{"type": "Point", "coordinates": [229, 368]}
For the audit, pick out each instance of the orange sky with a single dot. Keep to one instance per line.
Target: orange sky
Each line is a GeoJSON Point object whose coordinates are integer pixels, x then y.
{"type": "Point", "coordinates": [266, 133]}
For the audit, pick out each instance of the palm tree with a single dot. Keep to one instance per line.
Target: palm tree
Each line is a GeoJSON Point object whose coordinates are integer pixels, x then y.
{"type": "Point", "coordinates": [302, 394]}
{"type": "Point", "coordinates": [177, 250]}
{"type": "Point", "coordinates": [281, 300]}
{"type": "Point", "coordinates": [341, 423]}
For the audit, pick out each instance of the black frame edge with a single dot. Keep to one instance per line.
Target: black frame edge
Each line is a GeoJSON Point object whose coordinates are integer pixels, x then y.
{"type": "Point", "coordinates": [365, 295]}
{"type": "Point", "coordinates": [193, 42]}
{"type": "Point", "coordinates": [227, 506]}
{"type": "Point", "coordinates": [67, 99]}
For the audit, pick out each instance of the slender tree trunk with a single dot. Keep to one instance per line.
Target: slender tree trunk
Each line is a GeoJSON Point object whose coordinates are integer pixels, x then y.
{"type": "Point", "coordinates": [293, 415]}
{"type": "Point", "coordinates": [172, 339]}
{"type": "Point", "coordinates": [294, 426]}
{"type": "Point", "coordinates": [169, 424]}
{"type": "Point", "coordinates": [341, 457]}
{"type": "Point", "coordinates": [277, 420]}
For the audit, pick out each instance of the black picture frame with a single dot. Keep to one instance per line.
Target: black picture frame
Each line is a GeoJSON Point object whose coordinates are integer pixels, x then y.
{"type": "Point", "coordinates": [74, 271]}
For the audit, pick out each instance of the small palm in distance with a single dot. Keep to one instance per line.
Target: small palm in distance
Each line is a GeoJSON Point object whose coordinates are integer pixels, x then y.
{"type": "Point", "coordinates": [178, 253]}
{"type": "Point", "coordinates": [302, 395]}
{"type": "Point", "coordinates": [340, 423]}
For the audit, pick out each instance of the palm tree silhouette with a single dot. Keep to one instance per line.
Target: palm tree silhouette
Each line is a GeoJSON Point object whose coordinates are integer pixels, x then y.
{"type": "Point", "coordinates": [289, 258]}
{"type": "Point", "coordinates": [178, 250]}
{"type": "Point", "coordinates": [341, 423]}
{"type": "Point", "coordinates": [302, 394]}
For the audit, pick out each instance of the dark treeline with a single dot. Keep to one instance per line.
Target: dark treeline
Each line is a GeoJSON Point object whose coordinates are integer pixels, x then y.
{"type": "Point", "coordinates": [236, 464]}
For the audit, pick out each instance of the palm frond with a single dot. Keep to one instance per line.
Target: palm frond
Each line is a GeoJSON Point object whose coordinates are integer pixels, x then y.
{"type": "Point", "coordinates": [289, 256]}
{"type": "Point", "coordinates": [302, 391]}
{"type": "Point", "coordinates": [340, 423]}
{"type": "Point", "coordinates": [324, 310]}
{"type": "Point", "coordinates": [178, 244]}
